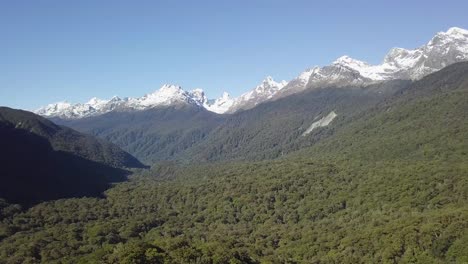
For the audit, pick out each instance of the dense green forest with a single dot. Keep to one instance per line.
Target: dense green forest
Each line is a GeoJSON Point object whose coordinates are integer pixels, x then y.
{"type": "Point", "coordinates": [151, 135]}
{"type": "Point", "coordinates": [290, 211]}
{"type": "Point", "coordinates": [390, 185]}
{"type": "Point", "coordinates": [193, 134]}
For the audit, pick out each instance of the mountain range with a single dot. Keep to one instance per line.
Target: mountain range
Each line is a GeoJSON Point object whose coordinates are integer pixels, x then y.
{"type": "Point", "coordinates": [444, 49]}
{"type": "Point", "coordinates": [347, 163]}
{"type": "Point", "coordinates": [379, 176]}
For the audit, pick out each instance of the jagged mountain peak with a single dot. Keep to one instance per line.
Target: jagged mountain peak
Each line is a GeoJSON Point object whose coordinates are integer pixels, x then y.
{"type": "Point", "coordinates": [220, 105]}
{"type": "Point", "coordinates": [95, 100]}
{"type": "Point", "coordinates": [270, 83]}
{"type": "Point", "coordinates": [346, 60]}
{"type": "Point", "coordinates": [456, 31]}
{"type": "Point", "coordinates": [168, 94]}
{"type": "Point", "coordinates": [165, 95]}
{"type": "Point", "coordinates": [398, 52]}
{"type": "Point", "coordinates": [225, 95]}
{"type": "Point", "coordinates": [443, 49]}
{"type": "Point", "coordinates": [169, 88]}
{"type": "Point", "coordinates": [199, 96]}
{"type": "Point", "coordinates": [305, 75]}
{"type": "Point", "coordinates": [262, 92]}
{"type": "Point", "coordinates": [198, 90]}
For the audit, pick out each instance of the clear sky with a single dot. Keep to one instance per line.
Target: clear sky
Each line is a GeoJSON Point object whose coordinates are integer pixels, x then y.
{"type": "Point", "coordinates": [73, 50]}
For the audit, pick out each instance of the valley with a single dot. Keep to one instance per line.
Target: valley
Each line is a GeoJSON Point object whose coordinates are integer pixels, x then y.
{"type": "Point", "coordinates": [346, 163]}
{"type": "Point", "coordinates": [388, 185]}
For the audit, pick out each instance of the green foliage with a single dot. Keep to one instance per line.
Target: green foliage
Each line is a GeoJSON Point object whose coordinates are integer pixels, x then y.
{"type": "Point", "coordinates": [151, 135]}
{"type": "Point", "coordinates": [389, 187]}
{"type": "Point", "coordinates": [295, 210]}
{"type": "Point", "coordinates": [274, 129]}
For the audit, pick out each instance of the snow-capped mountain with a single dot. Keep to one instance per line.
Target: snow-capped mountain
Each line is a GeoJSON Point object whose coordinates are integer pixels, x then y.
{"type": "Point", "coordinates": [263, 92]}
{"type": "Point", "coordinates": [165, 96]}
{"type": "Point", "coordinates": [443, 49]}
{"type": "Point", "coordinates": [220, 105]}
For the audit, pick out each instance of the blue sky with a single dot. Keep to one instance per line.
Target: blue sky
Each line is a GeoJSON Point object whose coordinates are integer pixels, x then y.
{"type": "Point", "coordinates": [72, 50]}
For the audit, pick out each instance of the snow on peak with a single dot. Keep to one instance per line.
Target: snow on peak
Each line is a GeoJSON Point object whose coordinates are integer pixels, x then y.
{"type": "Point", "coordinates": [99, 103]}
{"type": "Point", "coordinates": [457, 31]}
{"type": "Point", "coordinates": [169, 88]}
{"type": "Point", "coordinates": [443, 49]}
{"type": "Point", "coordinates": [199, 96]}
{"type": "Point", "coordinates": [61, 105]}
{"type": "Point", "coordinates": [198, 91]}
{"type": "Point", "coordinates": [170, 94]}
{"type": "Point", "coordinates": [166, 95]}
{"type": "Point", "coordinates": [304, 77]}
{"type": "Point", "coordinates": [95, 100]}
{"type": "Point", "coordinates": [225, 96]}
{"type": "Point", "coordinates": [220, 105]}
{"type": "Point", "coordinates": [64, 109]}
{"type": "Point", "coordinates": [54, 109]}
{"type": "Point", "coordinates": [262, 92]}
{"type": "Point", "coordinates": [348, 61]}
{"type": "Point", "coordinates": [363, 68]}
{"type": "Point", "coordinates": [268, 85]}
{"type": "Point", "coordinates": [267, 88]}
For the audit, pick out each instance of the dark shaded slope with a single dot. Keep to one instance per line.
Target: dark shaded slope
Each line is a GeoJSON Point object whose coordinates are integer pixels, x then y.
{"type": "Point", "coordinates": [68, 140]}
{"type": "Point", "coordinates": [43, 161]}
{"type": "Point", "coordinates": [31, 171]}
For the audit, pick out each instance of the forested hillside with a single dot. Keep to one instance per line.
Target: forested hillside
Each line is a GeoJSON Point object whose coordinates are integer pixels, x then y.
{"type": "Point", "coordinates": [151, 135]}
{"type": "Point", "coordinates": [276, 128]}
{"type": "Point", "coordinates": [66, 139]}
{"type": "Point", "coordinates": [428, 120]}
{"type": "Point", "coordinates": [389, 186]}
{"type": "Point", "coordinates": [191, 135]}
{"type": "Point", "coordinates": [42, 161]}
